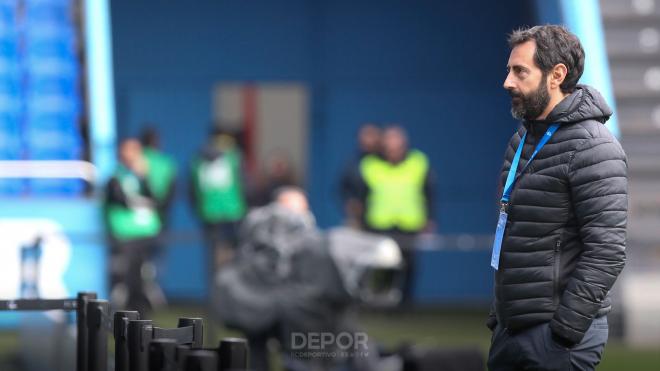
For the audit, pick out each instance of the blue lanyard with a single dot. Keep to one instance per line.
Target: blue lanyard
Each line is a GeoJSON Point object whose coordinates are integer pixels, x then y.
{"type": "Point", "coordinates": [511, 177]}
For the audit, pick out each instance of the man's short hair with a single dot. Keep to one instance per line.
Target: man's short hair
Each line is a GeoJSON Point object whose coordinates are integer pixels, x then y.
{"type": "Point", "coordinates": [554, 45]}
{"type": "Point", "coordinates": [149, 136]}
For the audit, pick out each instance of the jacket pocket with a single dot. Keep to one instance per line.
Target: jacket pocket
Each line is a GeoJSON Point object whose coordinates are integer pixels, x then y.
{"type": "Point", "coordinates": [555, 276]}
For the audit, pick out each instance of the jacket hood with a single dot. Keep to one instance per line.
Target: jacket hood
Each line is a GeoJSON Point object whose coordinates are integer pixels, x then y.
{"type": "Point", "coordinates": [585, 103]}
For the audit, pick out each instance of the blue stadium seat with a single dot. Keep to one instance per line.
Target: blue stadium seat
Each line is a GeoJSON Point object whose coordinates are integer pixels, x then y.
{"type": "Point", "coordinates": [47, 85]}
{"type": "Point", "coordinates": [7, 12]}
{"type": "Point", "coordinates": [10, 120]}
{"type": "Point", "coordinates": [9, 68]}
{"type": "Point", "coordinates": [53, 145]}
{"type": "Point", "coordinates": [9, 85]}
{"type": "Point", "coordinates": [40, 105]}
{"type": "Point", "coordinates": [10, 142]}
{"type": "Point", "coordinates": [54, 122]}
{"type": "Point", "coordinates": [42, 11]}
{"type": "Point", "coordinates": [9, 104]}
{"type": "Point", "coordinates": [61, 49]}
{"type": "Point", "coordinates": [50, 31]}
{"type": "Point", "coordinates": [52, 67]}
{"type": "Point", "coordinates": [40, 101]}
{"type": "Point", "coordinates": [55, 187]}
{"type": "Point", "coordinates": [12, 187]}
{"type": "Point", "coordinates": [8, 47]}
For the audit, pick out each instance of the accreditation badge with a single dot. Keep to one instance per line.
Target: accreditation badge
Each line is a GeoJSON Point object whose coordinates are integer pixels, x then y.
{"type": "Point", "coordinates": [497, 243]}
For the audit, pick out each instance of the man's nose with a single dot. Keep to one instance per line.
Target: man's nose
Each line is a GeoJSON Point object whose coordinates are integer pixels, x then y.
{"type": "Point", "coordinates": [508, 83]}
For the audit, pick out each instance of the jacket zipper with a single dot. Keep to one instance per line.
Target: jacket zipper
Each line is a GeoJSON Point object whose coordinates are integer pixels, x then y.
{"type": "Point", "coordinates": [555, 295]}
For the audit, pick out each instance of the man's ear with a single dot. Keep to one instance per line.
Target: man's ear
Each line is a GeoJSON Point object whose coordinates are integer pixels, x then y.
{"type": "Point", "coordinates": [557, 75]}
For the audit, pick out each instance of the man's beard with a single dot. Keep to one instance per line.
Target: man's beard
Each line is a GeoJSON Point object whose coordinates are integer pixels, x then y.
{"type": "Point", "coordinates": [529, 107]}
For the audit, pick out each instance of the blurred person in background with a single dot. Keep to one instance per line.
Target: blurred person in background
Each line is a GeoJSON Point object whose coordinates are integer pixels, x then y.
{"type": "Point", "coordinates": [398, 196]}
{"type": "Point", "coordinates": [162, 171]}
{"type": "Point", "coordinates": [561, 236]}
{"type": "Point", "coordinates": [217, 196]}
{"type": "Point", "coordinates": [351, 184]}
{"type": "Point", "coordinates": [291, 279]}
{"type": "Point", "coordinates": [278, 172]}
{"type": "Point", "coordinates": [290, 206]}
{"type": "Point", "coordinates": [133, 224]}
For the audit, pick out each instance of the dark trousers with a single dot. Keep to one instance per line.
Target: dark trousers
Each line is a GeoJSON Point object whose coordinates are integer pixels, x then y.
{"type": "Point", "coordinates": [220, 240]}
{"type": "Point", "coordinates": [535, 349]}
{"type": "Point", "coordinates": [259, 357]}
{"type": "Point", "coordinates": [258, 343]}
{"type": "Point", "coordinates": [127, 279]}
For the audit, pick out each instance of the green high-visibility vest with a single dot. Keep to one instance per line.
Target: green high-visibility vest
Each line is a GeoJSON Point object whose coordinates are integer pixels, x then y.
{"type": "Point", "coordinates": [161, 174]}
{"type": "Point", "coordinates": [396, 192]}
{"type": "Point", "coordinates": [218, 187]}
{"type": "Point", "coordinates": [132, 222]}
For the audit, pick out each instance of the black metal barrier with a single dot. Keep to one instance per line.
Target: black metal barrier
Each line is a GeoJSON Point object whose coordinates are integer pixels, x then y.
{"type": "Point", "coordinates": [139, 346]}
{"type": "Point", "coordinates": [190, 331]}
{"type": "Point", "coordinates": [79, 305]}
{"type": "Point", "coordinates": [167, 355]}
{"type": "Point", "coordinates": [120, 332]}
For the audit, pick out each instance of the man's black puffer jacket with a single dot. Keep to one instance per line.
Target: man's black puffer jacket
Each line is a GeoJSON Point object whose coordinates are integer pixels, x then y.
{"type": "Point", "coordinates": [565, 237]}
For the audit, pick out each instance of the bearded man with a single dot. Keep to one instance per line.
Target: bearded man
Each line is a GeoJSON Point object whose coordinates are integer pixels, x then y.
{"type": "Point", "coordinates": [560, 240]}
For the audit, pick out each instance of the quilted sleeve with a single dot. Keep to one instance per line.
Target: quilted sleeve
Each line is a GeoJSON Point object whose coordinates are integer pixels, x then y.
{"type": "Point", "coordinates": [599, 186]}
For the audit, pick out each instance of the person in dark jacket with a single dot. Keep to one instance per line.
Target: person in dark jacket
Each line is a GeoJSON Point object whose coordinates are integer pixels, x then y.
{"type": "Point", "coordinates": [351, 184]}
{"type": "Point", "coordinates": [162, 172]}
{"type": "Point", "coordinates": [563, 226]}
{"type": "Point", "coordinates": [217, 196]}
{"type": "Point", "coordinates": [133, 225]}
